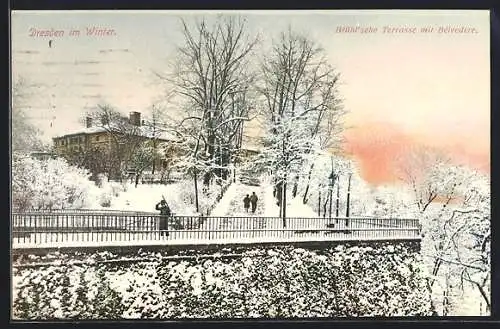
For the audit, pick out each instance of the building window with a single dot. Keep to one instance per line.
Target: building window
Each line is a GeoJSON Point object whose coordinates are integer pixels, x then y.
{"type": "Point", "coordinates": [96, 138]}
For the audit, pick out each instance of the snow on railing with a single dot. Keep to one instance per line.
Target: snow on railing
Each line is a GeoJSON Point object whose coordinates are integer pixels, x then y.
{"type": "Point", "coordinates": [90, 211]}
{"type": "Point", "coordinates": [81, 228]}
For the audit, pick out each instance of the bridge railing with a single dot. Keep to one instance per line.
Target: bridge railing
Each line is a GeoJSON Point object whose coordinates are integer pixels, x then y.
{"type": "Point", "coordinates": [32, 228]}
{"type": "Point", "coordinates": [85, 211]}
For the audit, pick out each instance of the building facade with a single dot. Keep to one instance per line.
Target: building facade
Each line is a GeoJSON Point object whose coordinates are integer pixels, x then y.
{"type": "Point", "coordinates": [101, 148]}
{"type": "Point", "coordinates": [102, 138]}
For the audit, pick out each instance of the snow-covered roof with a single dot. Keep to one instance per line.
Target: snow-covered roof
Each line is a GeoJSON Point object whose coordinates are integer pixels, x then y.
{"type": "Point", "coordinates": [83, 131]}
{"type": "Point", "coordinates": [145, 131]}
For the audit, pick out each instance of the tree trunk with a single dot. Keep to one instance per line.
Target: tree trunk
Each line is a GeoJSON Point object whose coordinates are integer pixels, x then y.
{"type": "Point", "coordinates": [295, 187]}
{"type": "Point", "coordinates": [337, 203]}
{"type": "Point", "coordinates": [284, 204]}
{"type": "Point", "coordinates": [319, 202]}
{"type": "Point", "coordinates": [279, 193]}
{"type": "Point", "coordinates": [211, 153]}
{"type": "Point", "coordinates": [304, 199]}
{"type": "Point", "coordinates": [330, 197]}
{"type": "Point", "coordinates": [196, 191]}
{"type": "Point", "coordinates": [324, 208]}
{"type": "Point", "coordinates": [484, 295]}
{"type": "Point", "coordinates": [348, 197]}
{"type": "Point", "coordinates": [136, 180]}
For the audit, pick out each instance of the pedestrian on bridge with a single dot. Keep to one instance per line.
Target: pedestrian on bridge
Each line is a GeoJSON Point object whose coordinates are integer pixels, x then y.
{"type": "Point", "coordinates": [165, 212]}
{"type": "Point", "coordinates": [253, 200]}
{"type": "Point", "coordinates": [246, 202]}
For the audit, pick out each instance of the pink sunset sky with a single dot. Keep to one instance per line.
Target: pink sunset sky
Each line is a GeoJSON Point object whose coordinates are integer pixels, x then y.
{"type": "Point", "coordinates": [400, 90]}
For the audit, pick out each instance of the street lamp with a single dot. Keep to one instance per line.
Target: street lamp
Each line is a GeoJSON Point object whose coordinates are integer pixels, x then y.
{"type": "Point", "coordinates": [332, 178]}
{"type": "Point", "coordinates": [320, 187]}
{"type": "Point", "coordinates": [337, 202]}
{"type": "Point", "coordinates": [348, 206]}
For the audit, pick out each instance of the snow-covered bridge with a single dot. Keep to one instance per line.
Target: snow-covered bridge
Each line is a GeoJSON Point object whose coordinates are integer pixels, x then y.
{"type": "Point", "coordinates": [97, 228]}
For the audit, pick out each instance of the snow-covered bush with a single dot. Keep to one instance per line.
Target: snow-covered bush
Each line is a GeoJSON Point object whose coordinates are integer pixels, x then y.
{"type": "Point", "coordinates": [105, 200]}
{"type": "Point", "coordinates": [279, 282]}
{"type": "Point", "coordinates": [109, 191]}
{"type": "Point", "coordinates": [45, 184]}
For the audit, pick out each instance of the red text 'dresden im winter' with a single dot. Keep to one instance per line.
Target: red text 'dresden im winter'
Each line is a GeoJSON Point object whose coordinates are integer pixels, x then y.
{"type": "Point", "coordinates": [92, 31]}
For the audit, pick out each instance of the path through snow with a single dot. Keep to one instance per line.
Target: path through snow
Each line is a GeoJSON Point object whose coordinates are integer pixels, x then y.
{"type": "Point", "coordinates": [231, 205]}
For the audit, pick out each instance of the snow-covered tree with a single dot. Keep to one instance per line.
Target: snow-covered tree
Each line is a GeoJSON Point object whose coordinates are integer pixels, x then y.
{"type": "Point", "coordinates": [212, 79]}
{"type": "Point", "coordinates": [46, 184]}
{"type": "Point", "coordinates": [457, 233]}
{"type": "Point", "coordinates": [301, 107]}
{"type": "Point", "coordinates": [156, 126]}
{"type": "Point", "coordinates": [143, 158]}
{"type": "Point", "coordinates": [316, 184]}
{"type": "Point", "coordinates": [125, 138]}
{"type": "Point", "coordinates": [454, 205]}
{"type": "Point", "coordinates": [96, 159]}
{"type": "Point", "coordinates": [420, 168]}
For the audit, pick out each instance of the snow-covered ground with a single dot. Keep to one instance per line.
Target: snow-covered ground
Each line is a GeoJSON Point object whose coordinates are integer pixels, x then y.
{"type": "Point", "coordinates": [228, 223]}
{"type": "Point", "coordinates": [228, 220]}
{"type": "Point", "coordinates": [232, 203]}
{"type": "Point", "coordinates": [144, 197]}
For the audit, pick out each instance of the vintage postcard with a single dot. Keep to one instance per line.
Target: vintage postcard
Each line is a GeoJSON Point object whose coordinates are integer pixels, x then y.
{"type": "Point", "coordinates": [176, 165]}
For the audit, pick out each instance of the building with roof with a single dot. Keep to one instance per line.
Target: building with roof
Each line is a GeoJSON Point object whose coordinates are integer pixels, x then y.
{"type": "Point", "coordinates": [98, 138]}
{"type": "Point", "coordinates": [101, 136]}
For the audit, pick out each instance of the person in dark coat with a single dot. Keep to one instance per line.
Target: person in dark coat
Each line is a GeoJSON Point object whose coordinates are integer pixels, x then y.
{"type": "Point", "coordinates": [165, 212]}
{"type": "Point", "coordinates": [246, 202]}
{"type": "Point", "coordinates": [253, 201]}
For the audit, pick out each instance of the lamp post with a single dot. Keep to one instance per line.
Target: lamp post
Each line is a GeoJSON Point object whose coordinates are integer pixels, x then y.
{"type": "Point", "coordinates": [348, 200]}
{"type": "Point", "coordinates": [337, 203]}
{"type": "Point", "coordinates": [319, 200]}
{"type": "Point", "coordinates": [332, 182]}
{"type": "Point", "coordinates": [220, 169]}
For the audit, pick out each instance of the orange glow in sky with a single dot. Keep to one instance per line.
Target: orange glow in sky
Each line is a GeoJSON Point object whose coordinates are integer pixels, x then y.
{"type": "Point", "coordinates": [400, 89]}
{"type": "Point", "coordinates": [377, 147]}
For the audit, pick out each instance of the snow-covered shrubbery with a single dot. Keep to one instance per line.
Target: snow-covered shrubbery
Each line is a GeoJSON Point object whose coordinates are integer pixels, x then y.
{"type": "Point", "coordinates": [377, 280]}
{"type": "Point", "coordinates": [45, 184]}
{"type": "Point", "coordinates": [109, 191]}
{"type": "Point", "coordinates": [179, 196]}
